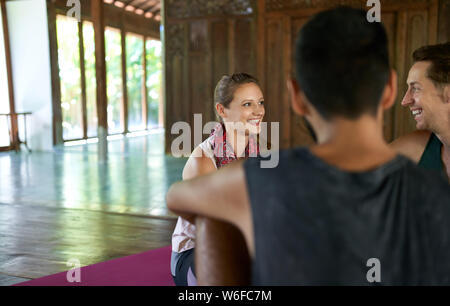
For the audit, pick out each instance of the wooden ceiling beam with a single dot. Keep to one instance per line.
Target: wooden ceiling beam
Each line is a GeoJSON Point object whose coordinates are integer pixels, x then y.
{"type": "Point", "coordinates": [137, 3]}
{"type": "Point", "coordinates": [149, 4]}
{"type": "Point", "coordinates": [140, 7]}
{"type": "Point", "coordinates": [155, 8]}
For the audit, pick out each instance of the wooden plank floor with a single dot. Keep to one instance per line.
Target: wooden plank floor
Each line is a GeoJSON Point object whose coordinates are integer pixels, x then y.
{"type": "Point", "coordinates": [63, 205]}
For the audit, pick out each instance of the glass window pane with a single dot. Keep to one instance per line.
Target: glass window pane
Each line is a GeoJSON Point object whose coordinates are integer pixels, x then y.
{"type": "Point", "coordinates": [4, 96]}
{"type": "Point", "coordinates": [70, 76]}
{"type": "Point", "coordinates": [114, 79]}
{"type": "Point", "coordinates": [135, 74]}
{"type": "Point", "coordinates": [154, 93]}
{"type": "Point", "coordinates": [91, 85]}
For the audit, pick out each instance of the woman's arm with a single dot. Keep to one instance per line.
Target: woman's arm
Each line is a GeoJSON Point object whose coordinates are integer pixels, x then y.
{"type": "Point", "coordinates": [220, 195]}
{"type": "Point", "coordinates": [198, 164]}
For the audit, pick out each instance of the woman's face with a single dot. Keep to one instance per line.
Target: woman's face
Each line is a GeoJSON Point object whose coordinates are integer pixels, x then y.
{"type": "Point", "coordinates": [247, 107]}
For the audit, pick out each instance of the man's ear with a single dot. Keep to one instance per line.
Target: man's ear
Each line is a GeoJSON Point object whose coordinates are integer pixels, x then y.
{"type": "Point", "coordinates": [297, 100]}
{"type": "Point", "coordinates": [220, 110]}
{"type": "Point", "coordinates": [390, 91]}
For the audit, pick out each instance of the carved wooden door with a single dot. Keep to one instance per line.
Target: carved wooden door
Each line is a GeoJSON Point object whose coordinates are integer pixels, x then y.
{"type": "Point", "coordinates": [206, 39]}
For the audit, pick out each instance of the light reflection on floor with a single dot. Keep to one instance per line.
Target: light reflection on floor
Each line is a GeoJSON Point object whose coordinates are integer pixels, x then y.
{"type": "Point", "coordinates": [134, 180]}
{"type": "Point", "coordinates": [61, 205]}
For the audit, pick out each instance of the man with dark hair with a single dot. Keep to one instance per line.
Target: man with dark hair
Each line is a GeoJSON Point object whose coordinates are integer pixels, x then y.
{"type": "Point", "coordinates": [327, 213]}
{"type": "Point", "coordinates": [428, 98]}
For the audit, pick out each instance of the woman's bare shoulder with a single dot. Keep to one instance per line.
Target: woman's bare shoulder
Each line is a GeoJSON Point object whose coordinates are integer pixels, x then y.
{"type": "Point", "coordinates": [412, 145]}
{"type": "Point", "coordinates": [198, 164]}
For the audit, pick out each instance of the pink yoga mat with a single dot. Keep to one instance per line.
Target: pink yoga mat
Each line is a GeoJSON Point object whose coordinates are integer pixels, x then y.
{"type": "Point", "coordinates": [151, 268]}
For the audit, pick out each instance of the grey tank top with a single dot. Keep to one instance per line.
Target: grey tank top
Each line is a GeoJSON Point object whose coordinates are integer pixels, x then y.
{"type": "Point", "coordinates": [315, 224]}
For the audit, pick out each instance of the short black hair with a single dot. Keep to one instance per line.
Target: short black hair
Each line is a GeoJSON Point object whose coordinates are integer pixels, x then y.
{"type": "Point", "coordinates": [342, 63]}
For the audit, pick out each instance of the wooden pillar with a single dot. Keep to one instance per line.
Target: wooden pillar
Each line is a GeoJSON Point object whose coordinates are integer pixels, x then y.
{"type": "Point", "coordinates": [97, 14]}
{"type": "Point", "coordinates": [287, 72]}
{"type": "Point", "coordinates": [260, 66]}
{"type": "Point", "coordinates": [231, 42]}
{"type": "Point", "coordinates": [83, 80]}
{"type": "Point", "coordinates": [54, 71]}
{"type": "Point", "coordinates": [444, 21]}
{"type": "Point", "coordinates": [14, 137]}
{"type": "Point", "coordinates": [124, 82]}
{"type": "Point", "coordinates": [144, 86]}
{"type": "Point", "coordinates": [162, 91]}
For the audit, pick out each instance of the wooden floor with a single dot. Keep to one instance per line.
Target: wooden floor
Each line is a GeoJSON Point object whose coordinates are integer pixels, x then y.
{"type": "Point", "coordinates": [63, 205]}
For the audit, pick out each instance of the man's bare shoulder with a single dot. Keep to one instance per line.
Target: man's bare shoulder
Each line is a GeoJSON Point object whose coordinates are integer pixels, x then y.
{"type": "Point", "coordinates": [412, 145]}
{"type": "Point", "coordinates": [197, 164]}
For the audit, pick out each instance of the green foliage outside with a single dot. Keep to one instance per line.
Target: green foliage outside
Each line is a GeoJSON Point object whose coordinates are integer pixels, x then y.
{"type": "Point", "coordinates": [114, 79]}
{"type": "Point", "coordinates": [135, 75]}
{"type": "Point", "coordinates": [91, 86]}
{"type": "Point", "coordinates": [154, 75]}
{"type": "Point", "coordinates": [70, 76]}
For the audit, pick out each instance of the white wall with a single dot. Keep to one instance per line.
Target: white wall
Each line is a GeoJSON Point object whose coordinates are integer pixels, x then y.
{"type": "Point", "coordinates": [28, 32]}
{"type": "Point", "coordinates": [4, 97]}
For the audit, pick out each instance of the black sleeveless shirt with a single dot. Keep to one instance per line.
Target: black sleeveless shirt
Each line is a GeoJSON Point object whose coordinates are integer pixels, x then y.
{"type": "Point", "coordinates": [315, 224]}
{"type": "Point", "coordinates": [431, 157]}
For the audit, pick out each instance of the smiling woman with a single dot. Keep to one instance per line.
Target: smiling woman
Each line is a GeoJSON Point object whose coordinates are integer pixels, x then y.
{"type": "Point", "coordinates": [239, 103]}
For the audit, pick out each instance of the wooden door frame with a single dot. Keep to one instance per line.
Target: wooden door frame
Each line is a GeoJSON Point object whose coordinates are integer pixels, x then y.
{"type": "Point", "coordinates": [14, 132]}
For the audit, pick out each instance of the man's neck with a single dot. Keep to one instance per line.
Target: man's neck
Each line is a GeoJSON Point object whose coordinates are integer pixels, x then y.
{"type": "Point", "coordinates": [355, 145]}
{"type": "Point", "coordinates": [444, 137]}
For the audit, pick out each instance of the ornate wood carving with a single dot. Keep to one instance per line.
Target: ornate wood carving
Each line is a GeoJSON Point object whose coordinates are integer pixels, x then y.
{"type": "Point", "coordinates": [175, 40]}
{"type": "Point", "coordinates": [202, 8]}
{"type": "Point", "coordinates": [206, 39]}
{"type": "Point", "coordinates": [198, 39]}
{"type": "Point", "coordinates": [277, 5]}
{"type": "Point", "coordinates": [444, 21]}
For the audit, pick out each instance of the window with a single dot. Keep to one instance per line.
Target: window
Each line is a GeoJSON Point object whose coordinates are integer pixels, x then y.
{"type": "Point", "coordinates": [154, 93]}
{"type": "Point", "coordinates": [91, 84]}
{"type": "Point", "coordinates": [135, 81]}
{"type": "Point", "coordinates": [113, 59]}
{"type": "Point", "coordinates": [142, 75]}
{"type": "Point", "coordinates": [70, 76]}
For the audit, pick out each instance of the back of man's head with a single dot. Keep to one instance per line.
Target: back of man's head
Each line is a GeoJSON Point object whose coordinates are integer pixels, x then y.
{"type": "Point", "coordinates": [342, 63]}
